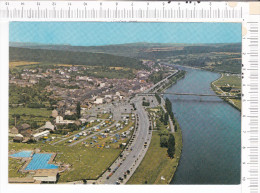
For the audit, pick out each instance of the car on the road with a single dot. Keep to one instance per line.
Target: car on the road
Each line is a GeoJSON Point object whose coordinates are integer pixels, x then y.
{"type": "Point", "coordinates": [117, 182]}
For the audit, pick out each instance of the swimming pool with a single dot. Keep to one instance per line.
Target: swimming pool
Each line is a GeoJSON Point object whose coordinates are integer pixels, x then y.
{"type": "Point", "coordinates": [40, 161]}
{"type": "Point", "coordinates": [22, 154]}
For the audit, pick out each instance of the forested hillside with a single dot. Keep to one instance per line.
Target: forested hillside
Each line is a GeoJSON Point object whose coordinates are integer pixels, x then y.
{"type": "Point", "coordinates": [74, 58]}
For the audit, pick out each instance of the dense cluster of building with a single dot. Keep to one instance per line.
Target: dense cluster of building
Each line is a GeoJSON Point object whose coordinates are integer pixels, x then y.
{"type": "Point", "coordinates": [69, 85]}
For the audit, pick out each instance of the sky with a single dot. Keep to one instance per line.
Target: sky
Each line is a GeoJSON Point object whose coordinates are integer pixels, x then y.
{"type": "Point", "coordinates": [107, 33]}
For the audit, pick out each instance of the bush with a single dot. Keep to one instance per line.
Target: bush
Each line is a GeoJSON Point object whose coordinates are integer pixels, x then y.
{"type": "Point", "coordinates": [171, 146]}
{"type": "Point", "coordinates": [146, 103]}
{"type": "Point", "coordinates": [164, 132]}
{"type": "Point", "coordinates": [166, 118]}
{"type": "Point", "coordinates": [35, 105]}
{"type": "Point", "coordinates": [70, 117]}
{"type": "Point", "coordinates": [163, 141]}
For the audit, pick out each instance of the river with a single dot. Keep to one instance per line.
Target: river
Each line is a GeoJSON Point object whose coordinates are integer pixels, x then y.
{"type": "Point", "coordinates": [211, 131]}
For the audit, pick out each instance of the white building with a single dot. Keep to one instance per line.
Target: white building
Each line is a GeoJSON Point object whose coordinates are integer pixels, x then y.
{"type": "Point", "coordinates": [102, 85]}
{"type": "Point", "coordinates": [46, 175]}
{"type": "Point", "coordinates": [99, 101]}
{"type": "Point", "coordinates": [49, 126]}
{"type": "Point", "coordinates": [59, 120]}
{"type": "Point", "coordinates": [37, 136]}
{"type": "Point", "coordinates": [68, 112]}
{"type": "Point", "coordinates": [108, 96]}
{"type": "Point", "coordinates": [83, 120]}
{"type": "Point", "coordinates": [33, 81]}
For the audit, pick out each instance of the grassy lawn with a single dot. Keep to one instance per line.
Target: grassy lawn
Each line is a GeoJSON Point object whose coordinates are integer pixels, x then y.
{"type": "Point", "coordinates": [30, 111]}
{"type": "Point", "coordinates": [156, 162]}
{"type": "Point", "coordinates": [237, 103]}
{"type": "Point", "coordinates": [27, 115]}
{"type": "Point", "coordinates": [14, 166]}
{"type": "Point", "coordinates": [104, 116]}
{"type": "Point", "coordinates": [86, 163]}
{"type": "Point", "coordinates": [234, 82]}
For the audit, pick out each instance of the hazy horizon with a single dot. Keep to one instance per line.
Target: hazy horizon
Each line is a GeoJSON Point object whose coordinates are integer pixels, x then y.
{"type": "Point", "coordinates": [116, 33]}
{"type": "Point", "coordinates": [42, 44]}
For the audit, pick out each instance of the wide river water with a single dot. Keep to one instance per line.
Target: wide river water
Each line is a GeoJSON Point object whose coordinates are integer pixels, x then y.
{"type": "Point", "coordinates": [211, 131]}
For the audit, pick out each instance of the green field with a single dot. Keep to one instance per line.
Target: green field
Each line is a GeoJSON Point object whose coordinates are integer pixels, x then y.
{"type": "Point", "coordinates": [104, 116]}
{"type": "Point", "coordinates": [30, 111]}
{"type": "Point", "coordinates": [14, 166]}
{"type": "Point", "coordinates": [232, 80]}
{"type": "Point", "coordinates": [29, 115]}
{"type": "Point", "coordinates": [85, 163]}
{"type": "Point", "coordinates": [156, 162]}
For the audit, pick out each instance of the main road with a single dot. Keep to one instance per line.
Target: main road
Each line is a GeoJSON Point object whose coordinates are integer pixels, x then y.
{"type": "Point", "coordinates": [131, 159]}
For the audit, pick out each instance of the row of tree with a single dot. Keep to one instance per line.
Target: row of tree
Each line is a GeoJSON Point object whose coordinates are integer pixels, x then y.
{"type": "Point", "coordinates": [164, 118]}
{"type": "Point", "coordinates": [158, 98]}
{"type": "Point", "coordinates": [168, 106]}
{"type": "Point", "coordinates": [168, 142]}
{"type": "Point", "coordinates": [171, 140]}
{"type": "Point", "coordinates": [146, 103]}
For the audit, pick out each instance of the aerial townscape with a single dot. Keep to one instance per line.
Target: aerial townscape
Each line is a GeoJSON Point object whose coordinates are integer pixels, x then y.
{"type": "Point", "coordinates": [113, 114]}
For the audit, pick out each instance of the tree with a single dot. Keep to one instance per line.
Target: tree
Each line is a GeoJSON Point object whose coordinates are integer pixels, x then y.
{"type": "Point", "coordinates": [171, 146]}
{"type": "Point", "coordinates": [158, 98]}
{"type": "Point", "coordinates": [163, 132]}
{"type": "Point", "coordinates": [16, 115]}
{"type": "Point", "coordinates": [70, 117]}
{"type": "Point", "coordinates": [171, 115]}
{"type": "Point", "coordinates": [166, 118]}
{"type": "Point", "coordinates": [78, 109]}
{"type": "Point", "coordinates": [146, 103]}
{"type": "Point", "coordinates": [161, 118]}
{"type": "Point", "coordinates": [168, 105]}
{"type": "Point", "coordinates": [163, 141]}
{"type": "Point", "coordinates": [34, 125]}
{"type": "Point", "coordinates": [72, 127]}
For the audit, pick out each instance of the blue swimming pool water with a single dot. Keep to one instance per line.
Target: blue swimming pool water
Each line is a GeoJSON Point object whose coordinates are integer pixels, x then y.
{"type": "Point", "coordinates": [22, 154]}
{"type": "Point", "coordinates": [40, 161]}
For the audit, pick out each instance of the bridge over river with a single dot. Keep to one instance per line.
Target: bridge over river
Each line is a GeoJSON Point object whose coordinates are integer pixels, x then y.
{"type": "Point", "coordinates": [190, 94]}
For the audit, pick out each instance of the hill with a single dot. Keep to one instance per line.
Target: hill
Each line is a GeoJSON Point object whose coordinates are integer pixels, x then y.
{"type": "Point", "coordinates": [139, 50]}
{"type": "Point", "coordinates": [72, 57]}
{"type": "Point", "coordinates": [218, 57]}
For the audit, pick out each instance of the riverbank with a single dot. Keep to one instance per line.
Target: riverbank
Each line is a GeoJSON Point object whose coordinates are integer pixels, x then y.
{"type": "Point", "coordinates": [218, 91]}
{"type": "Point", "coordinates": [173, 80]}
{"type": "Point", "coordinates": [210, 127]}
{"type": "Point", "coordinates": [157, 167]}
